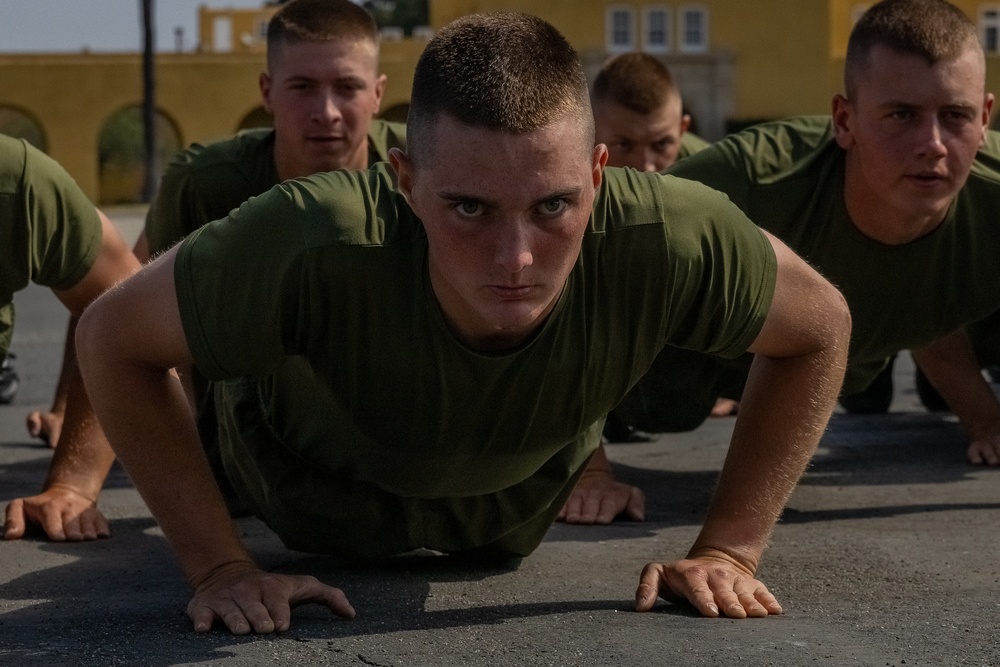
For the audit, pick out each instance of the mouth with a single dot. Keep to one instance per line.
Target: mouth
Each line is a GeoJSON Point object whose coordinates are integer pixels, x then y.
{"type": "Point", "coordinates": [928, 177]}
{"type": "Point", "coordinates": [511, 292]}
{"type": "Point", "coordinates": [326, 139]}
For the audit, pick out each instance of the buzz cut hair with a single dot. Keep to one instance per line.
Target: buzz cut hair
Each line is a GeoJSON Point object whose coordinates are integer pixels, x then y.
{"type": "Point", "coordinates": [508, 72]}
{"type": "Point", "coordinates": [319, 21]}
{"type": "Point", "coordinates": [934, 30]}
{"type": "Point", "coordinates": [637, 81]}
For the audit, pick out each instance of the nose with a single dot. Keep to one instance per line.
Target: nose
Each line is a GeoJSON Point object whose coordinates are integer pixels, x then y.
{"type": "Point", "coordinates": [326, 109]}
{"type": "Point", "coordinates": [513, 247]}
{"type": "Point", "coordinates": [651, 161]}
{"type": "Point", "coordinates": [931, 142]}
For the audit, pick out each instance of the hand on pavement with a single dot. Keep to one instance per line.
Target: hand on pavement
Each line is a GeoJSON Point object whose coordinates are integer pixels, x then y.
{"type": "Point", "coordinates": [64, 515]}
{"type": "Point", "coordinates": [713, 582]}
{"type": "Point", "coordinates": [985, 451]}
{"type": "Point", "coordinates": [247, 599]}
{"type": "Point", "coordinates": [598, 498]}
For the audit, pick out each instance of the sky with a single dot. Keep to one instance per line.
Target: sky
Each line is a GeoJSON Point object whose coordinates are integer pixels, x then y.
{"type": "Point", "coordinates": [32, 26]}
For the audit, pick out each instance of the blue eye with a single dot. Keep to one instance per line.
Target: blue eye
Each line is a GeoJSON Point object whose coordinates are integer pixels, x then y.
{"type": "Point", "coordinates": [469, 209]}
{"type": "Point", "coordinates": [552, 206]}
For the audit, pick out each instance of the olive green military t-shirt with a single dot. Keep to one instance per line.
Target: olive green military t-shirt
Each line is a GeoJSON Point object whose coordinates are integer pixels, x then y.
{"type": "Point", "coordinates": [205, 182]}
{"type": "Point", "coordinates": [690, 144]}
{"type": "Point", "coordinates": [50, 233]}
{"type": "Point", "coordinates": [400, 437]}
{"type": "Point", "coordinates": [788, 177]}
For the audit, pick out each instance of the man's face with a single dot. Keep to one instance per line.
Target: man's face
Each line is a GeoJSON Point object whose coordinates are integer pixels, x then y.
{"type": "Point", "coordinates": [647, 142]}
{"type": "Point", "coordinates": [911, 134]}
{"type": "Point", "coordinates": [323, 96]}
{"type": "Point", "coordinates": [505, 216]}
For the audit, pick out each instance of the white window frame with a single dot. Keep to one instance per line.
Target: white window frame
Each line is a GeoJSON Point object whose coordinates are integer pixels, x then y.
{"type": "Point", "coordinates": [610, 29]}
{"type": "Point", "coordinates": [222, 34]}
{"type": "Point", "coordinates": [648, 45]}
{"type": "Point", "coordinates": [683, 45]}
{"type": "Point", "coordinates": [989, 20]}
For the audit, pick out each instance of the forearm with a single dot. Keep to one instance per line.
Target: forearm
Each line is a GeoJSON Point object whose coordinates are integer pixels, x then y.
{"type": "Point", "coordinates": [67, 370]}
{"type": "Point", "coordinates": [786, 405]}
{"type": "Point", "coordinates": [951, 365]}
{"type": "Point", "coordinates": [126, 366]}
{"type": "Point", "coordinates": [82, 460]}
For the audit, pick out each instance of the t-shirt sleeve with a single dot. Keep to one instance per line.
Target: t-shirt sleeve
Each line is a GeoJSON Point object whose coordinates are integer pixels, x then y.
{"type": "Point", "coordinates": [722, 270]}
{"type": "Point", "coordinates": [54, 232]}
{"type": "Point", "coordinates": [238, 287]}
{"type": "Point", "coordinates": [720, 167]}
{"type": "Point", "coordinates": [177, 209]}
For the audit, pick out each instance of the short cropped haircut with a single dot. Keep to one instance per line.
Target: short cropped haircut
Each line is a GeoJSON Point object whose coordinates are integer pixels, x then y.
{"type": "Point", "coordinates": [637, 81]}
{"type": "Point", "coordinates": [320, 21]}
{"type": "Point", "coordinates": [934, 30]}
{"type": "Point", "coordinates": [508, 72]}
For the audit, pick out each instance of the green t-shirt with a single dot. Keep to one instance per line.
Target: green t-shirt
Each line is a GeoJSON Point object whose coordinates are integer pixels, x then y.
{"type": "Point", "coordinates": [788, 177]}
{"type": "Point", "coordinates": [690, 144]}
{"type": "Point", "coordinates": [362, 426]}
{"type": "Point", "coordinates": [205, 183]}
{"type": "Point", "coordinates": [50, 233]}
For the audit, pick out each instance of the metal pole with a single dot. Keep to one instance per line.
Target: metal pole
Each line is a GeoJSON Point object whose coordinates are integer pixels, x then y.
{"type": "Point", "coordinates": [152, 178]}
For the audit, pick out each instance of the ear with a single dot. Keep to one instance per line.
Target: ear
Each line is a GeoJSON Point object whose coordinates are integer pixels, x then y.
{"type": "Point", "coordinates": [379, 91]}
{"type": "Point", "coordinates": [685, 124]}
{"type": "Point", "coordinates": [987, 110]}
{"type": "Point", "coordinates": [843, 121]}
{"type": "Point", "coordinates": [600, 159]}
{"type": "Point", "coordinates": [264, 81]}
{"type": "Point", "coordinates": [404, 173]}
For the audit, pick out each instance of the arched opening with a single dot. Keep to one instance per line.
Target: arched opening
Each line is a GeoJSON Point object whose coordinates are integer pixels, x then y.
{"type": "Point", "coordinates": [256, 118]}
{"type": "Point", "coordinates": [21, 125]}
{"type": "Point", "coordinates": [120, 154]}
{"type": "Point", "coordinates": [396, 113]}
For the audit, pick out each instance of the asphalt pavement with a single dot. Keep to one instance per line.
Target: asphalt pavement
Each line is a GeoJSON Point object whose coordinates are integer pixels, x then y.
{"type": "Point", "coordinates": [888, 554]}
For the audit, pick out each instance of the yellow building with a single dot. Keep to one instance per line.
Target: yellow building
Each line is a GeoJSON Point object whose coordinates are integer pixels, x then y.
{"type": "Point", "coordinates": [63, 102]}
{"type": "Point", "coordinates": [736, 61]}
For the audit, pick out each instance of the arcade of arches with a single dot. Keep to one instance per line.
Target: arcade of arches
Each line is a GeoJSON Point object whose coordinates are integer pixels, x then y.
{"type": "Point", "coordinates": [83, 109]}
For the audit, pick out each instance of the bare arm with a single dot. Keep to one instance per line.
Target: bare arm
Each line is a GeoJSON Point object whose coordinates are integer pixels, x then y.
{"type": "Point", "coordinates": [66, 508]}
{"type": "Point", "coordinates": [129, 340]}
{"type": "Point", "coordinates": [800, 357]}
{"type": "Point", "coordinates": [951, 365]}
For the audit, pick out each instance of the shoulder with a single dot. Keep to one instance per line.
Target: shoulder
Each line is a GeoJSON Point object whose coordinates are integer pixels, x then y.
{"type": "Point", "coordinates": [986, 168]}
{"type": "Point", "coordinates": [691, 143]}
{"type": "Point", "coordinates": [344, 207]}
{"type": "Point", "coordinates": [13, 157]}
{"type": "Point", "coordinates": [766, 152]}
{"type": "Point", "coordinates": [383, 135]}
{"type": "Point", "coordinates": [22, 166]}
{"type": "Point", "coordinates": [679, 211]}
{"type": "Point", "coordinates": [250, 145]}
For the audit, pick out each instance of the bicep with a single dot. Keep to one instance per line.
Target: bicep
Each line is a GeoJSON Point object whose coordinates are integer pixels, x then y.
{"type": "Point", "coordinates": [138, 322]}
{"type": "Point", "coordinates": [806, 312]}
{"type": "Point", "coordinates": [114, 262]}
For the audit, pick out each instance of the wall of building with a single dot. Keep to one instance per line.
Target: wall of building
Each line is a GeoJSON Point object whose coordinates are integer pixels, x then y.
{"type": "Point", "coordinates": [205, 95]}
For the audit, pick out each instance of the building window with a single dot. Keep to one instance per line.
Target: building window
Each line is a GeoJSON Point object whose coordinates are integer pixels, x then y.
{"type": "Point", "coordinates": [693, 29]}
{"type": "Point", "coordinates": [620, 29]}
{"type": "Point", "coordinates": [222, 34]}
{"type": "Point", "coordinates": [989, 29]}
{"type": "Point", "coordinates": [656, 29]}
